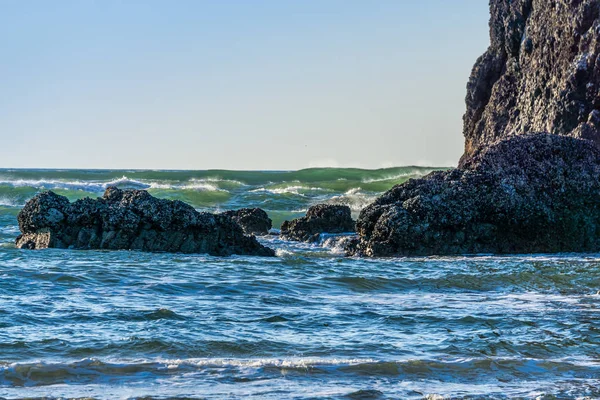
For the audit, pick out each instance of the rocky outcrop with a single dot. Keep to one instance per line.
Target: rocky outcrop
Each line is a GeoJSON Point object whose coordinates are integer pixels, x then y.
{"type": "Point", "coordinates": [322, 218]}
{"type": "Point", "coordinates": [526, 194]}
{"type": "Point", "coordinates": [254, 221]}
{"type": "Point", "coordinates": [541, 73]}
{"type": "Point", "coordinates": [513, 191]}
{"type": "Point", "coordinates": [132, 220]}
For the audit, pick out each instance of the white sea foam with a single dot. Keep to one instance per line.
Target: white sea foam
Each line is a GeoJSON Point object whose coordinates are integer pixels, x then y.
{"type": "Point", "coordinates": [412, 173]}
{"type": "Point", "coordinates": [88, 186]}
{"type": "Point", "coordinates": [218, 180]}
{"type": "Point", "coordinates": [10, 230]}
{"type": "Point", "coordinates": [161, 364]}
{"type": "Point", "coordinates": [8, 202]}
{"type": "Point", "coordinates": [283, 253]}
{"type": "Point", "coordinates": [295, 362]}
{"type": "Point", "coordinates": [288, 190]}
{"type": "Point", "coordinates": [100, 186]}
{"type": "Point", "coordinates": [354, 198]}
{"type": "Point", "coordinates": [54, 372]}
{"type": "Point", "coordinates": [336, 243]}
{"type": "Point", "coordinates": [201, 187]}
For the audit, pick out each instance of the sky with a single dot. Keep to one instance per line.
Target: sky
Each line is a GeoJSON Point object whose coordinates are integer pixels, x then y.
{"type": "Point", "coordinates": [235, 84]}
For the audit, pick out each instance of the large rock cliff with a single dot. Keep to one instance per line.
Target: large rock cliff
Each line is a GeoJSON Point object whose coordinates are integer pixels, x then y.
{"type": "Point", "coordinates": [513, 191]}
{"type": "Point", "coordinates": [541, 73]}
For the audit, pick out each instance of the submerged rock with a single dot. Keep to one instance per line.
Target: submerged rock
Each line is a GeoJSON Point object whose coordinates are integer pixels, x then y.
{"type": "Point", "coordinates": [321, 218]}
{"type": "Point", "coordinates": [527, 194]}
{"type": "Point", "coordinates": [254, 221]}
{"type": "Point", "coordinates": [133, 220]}
{"type": "Point", "coordinates": [541, 73]}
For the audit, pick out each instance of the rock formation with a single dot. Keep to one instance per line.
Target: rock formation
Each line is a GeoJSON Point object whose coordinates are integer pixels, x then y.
{"type": "Point", "coordinates": [527, 194]}
{"type": "Point", "coordinates": [133, 220]}
{"type": "Point", "coordinates": [541, 73]}
{"type": "Point", "coordinates": [322, 218]}
{"type": "Point", "coordinates": [513, 191]}
{"type": "Point", "coordinates": [254, 221]}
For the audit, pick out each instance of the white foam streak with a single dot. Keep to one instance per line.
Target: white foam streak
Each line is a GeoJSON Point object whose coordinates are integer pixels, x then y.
{"type": "Point", "coordinates": [299, 362]}
{"type": "Point", "coordinates": [88, 186]}
{"type": "Point", "coordinates": [99, 187]}
{"type": "Point", "coordinates": [415, 173]}
{"type": "Point", "coordinates": [353, 198]}
{"type": "Point", "coordinates": [217, 180]}
{"type": "Point", "coordinates": [269, 362]}
{"type": "Point", "coordinates": [288, 190]}
{"type": "Point", "coordinates": [202, 187]}
{"type": "Point", "coordinates": [8, 202]}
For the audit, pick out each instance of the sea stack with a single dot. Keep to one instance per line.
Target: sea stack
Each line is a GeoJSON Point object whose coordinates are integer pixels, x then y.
{"type": "Point", "coordinates": [529, 180]}
{"type": "Point", "coordinates": [541, 73]}
{"type": "Point", "coordinates": [130, 220]}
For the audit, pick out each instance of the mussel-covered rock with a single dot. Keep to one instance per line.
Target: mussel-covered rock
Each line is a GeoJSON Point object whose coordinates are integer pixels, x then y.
{"type": "Point", "coordinates": [321, 218]}
{"type": "Point", "coordinates": [254, 221]}
{"type": "Point", "coordinates": [527, 194]}
{"type": "Point", "coordinates": [133, 220]}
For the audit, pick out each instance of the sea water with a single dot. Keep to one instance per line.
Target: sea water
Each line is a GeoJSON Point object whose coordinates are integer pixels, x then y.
{"type": "Point", "coordinates": [308, 324]}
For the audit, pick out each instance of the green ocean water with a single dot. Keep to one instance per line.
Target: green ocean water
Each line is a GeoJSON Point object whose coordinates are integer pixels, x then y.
{"type": "Point", "coordinates": [308, 324]}
{"type": "Point", "coordinates": [283, 194]}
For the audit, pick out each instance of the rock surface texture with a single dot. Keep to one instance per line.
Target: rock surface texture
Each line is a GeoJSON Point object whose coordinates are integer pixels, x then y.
{"type": "Point", "coordinates": [527, 194]}
{"type": "Point", "coordinates": [541, 73]}
{"type": "Point", "coordinates": [513, 191]}
{"type": "Point", "coordinates": [322, 218]}
{"type": "Point", "coordinates": [254, 221]}
{"type": "Point", "coordinates": [133, 220]}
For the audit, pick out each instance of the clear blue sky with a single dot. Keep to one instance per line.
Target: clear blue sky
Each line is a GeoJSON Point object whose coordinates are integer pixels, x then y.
{"type": "Point", "coordinates": [237, 84]}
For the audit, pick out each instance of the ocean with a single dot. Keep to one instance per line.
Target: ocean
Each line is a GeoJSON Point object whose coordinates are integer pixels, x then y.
{"type": "Point", "coordinates": [308, 324]}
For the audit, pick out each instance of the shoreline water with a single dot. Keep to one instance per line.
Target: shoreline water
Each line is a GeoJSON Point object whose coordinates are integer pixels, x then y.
{"type": "Point", "coordinates": [307, 324]}
{"type": "Point", "coordinates": [130, 324]}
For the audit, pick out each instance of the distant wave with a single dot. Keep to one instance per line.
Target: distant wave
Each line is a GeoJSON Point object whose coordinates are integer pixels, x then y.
{"type": "Point", "coordinates": [288, 190]}
{"type": "Point", "coordinates": [218, 180]}
{"type": "Point", "coordinates": [415, 173]}
{"type": "Point", "coordinates": [280, 193]}
{"type": "Point", "coordinates": [191, 186]}
{"type": "Point", "coordinates": [88, 186]}
{"type": "Point", "coordinates": [98, 187]}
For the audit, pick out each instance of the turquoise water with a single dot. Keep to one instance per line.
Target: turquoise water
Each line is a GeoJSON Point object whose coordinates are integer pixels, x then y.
{"type": "Point", "coordinates": [309, 324]}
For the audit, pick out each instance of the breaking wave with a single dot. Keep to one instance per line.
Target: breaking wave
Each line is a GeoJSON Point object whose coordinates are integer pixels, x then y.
{"type": "Point", "coordinates": [280, 193]}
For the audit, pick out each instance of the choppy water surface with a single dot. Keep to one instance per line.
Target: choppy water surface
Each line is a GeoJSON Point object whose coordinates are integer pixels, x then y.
{"type": "Point", "coordinates": [308, 324]}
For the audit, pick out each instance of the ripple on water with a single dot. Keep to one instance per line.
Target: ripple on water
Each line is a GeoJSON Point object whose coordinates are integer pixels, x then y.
{"type": "Point", "coordinates": [311, 324]}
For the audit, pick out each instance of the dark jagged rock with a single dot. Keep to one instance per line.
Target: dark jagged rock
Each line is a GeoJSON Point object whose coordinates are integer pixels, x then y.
{"type": "Point", "coordinates": [541, 73]}
{"type": "Point", "coordinates": [254, 221]}
{"type": "Point", "coordinates": [526, 194]}
{"type": "Point", "coordinates": [513, 191]}
{"type": "Point", "coordinates": [133, 220]}
{"type": "Point", "coordinates": [322, 218]}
